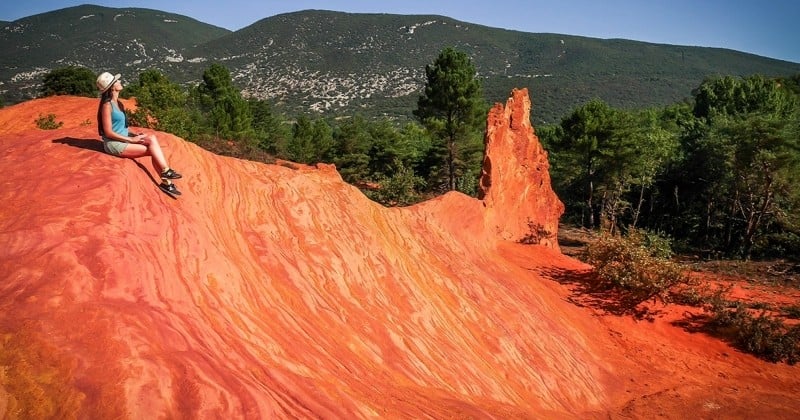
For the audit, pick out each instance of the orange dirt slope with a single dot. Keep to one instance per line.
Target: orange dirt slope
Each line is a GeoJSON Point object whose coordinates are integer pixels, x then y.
{"type": "Point", "coordinates": [271, 292]}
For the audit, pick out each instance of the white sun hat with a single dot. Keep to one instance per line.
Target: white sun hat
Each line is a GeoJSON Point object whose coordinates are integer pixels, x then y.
{"type": "Point", "coordinates": [105, 80]}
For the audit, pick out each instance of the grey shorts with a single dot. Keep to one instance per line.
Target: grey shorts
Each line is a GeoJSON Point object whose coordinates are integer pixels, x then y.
{"type": "Point", "coordinates": [114, 147]}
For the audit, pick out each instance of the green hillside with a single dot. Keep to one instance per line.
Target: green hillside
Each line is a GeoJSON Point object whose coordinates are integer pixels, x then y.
{"type": "Point", "coordinates": [374, 63]}
{"type": "Point", "coordinates": [329, 63]}
{"type": "Point", "coordinates": [126, 40]}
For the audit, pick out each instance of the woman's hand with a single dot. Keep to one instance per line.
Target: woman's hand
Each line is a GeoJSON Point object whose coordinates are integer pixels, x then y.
{"type": "Point", "coordinates": [142, 139]}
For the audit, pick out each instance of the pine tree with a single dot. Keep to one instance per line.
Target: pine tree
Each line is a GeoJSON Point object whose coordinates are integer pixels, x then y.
{"type": "Point", "coordinates": [452, 109]}
{"type": "Point", "coordinates": [228, 114]}
{"type": "Point", "coordinates": [72, 80]}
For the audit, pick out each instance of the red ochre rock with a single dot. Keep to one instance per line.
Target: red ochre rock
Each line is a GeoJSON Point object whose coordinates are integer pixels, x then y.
{"type": "Point", "coordinates": [515, 181]}
{"type": "Point", "coordinates": [279, 291]}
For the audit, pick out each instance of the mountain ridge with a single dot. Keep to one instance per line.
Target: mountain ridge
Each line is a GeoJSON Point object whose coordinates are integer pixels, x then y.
{"type": "Point", "coordinates": [331, 63]}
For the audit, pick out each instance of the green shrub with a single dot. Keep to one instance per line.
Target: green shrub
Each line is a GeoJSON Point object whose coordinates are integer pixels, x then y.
{"type": "Point", "coordinates": [658, 244]}
{"type": "Point", "coordinates": [693, 294]}
{"type": "Point", "coordinates": [635, 265]}
{"type": "Point", "coordinates": [763, 335]}
{"type": "Point", "coordinates": [72, 80]}
{"type": "Point", "coordinates": [778, 245]}
{"type": "Point", "coordinates": [48, 122]}
{"type": "Point", "coordinates": [398, 190]}
{"type": "Point", "coordinates": [769, 338]}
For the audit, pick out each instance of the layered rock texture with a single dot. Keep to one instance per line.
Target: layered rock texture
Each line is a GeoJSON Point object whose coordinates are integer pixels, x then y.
{"type": "Point", "coordinates": [521, 205]}
{"type": "Point", "coordinates": [279, 291]}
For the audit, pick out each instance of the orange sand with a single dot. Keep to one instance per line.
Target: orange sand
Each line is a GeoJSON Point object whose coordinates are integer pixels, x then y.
{"type": "Point", "coordinates": [270, 292]}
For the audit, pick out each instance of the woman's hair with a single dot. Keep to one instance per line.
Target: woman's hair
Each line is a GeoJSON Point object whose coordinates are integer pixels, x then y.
{"type": "Point", "coordinates": [106, 97]}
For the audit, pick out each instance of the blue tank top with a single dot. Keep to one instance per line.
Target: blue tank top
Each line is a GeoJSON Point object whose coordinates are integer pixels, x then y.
{"type": "Point", "coordinates": [118, 120]}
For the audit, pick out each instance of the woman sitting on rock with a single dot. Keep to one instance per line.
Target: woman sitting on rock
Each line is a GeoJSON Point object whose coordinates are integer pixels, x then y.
{"type": "Point", "coordinates": [112, 124]}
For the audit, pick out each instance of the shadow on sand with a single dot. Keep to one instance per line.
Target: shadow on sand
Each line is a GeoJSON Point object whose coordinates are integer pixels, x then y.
{"type": "Point", "coordinates": [97, 146]}
{"type": "Point", "coordinates": [90, 144]}
{"type": "Point", "coordinates": [588, 291]}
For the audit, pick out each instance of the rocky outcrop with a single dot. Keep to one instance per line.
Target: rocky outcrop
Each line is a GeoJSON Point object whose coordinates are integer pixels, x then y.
{"type": "Point", "coordinates": [515, 182]}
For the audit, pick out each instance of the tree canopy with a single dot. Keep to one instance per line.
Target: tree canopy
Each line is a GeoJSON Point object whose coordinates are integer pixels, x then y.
{"type": "Point", "coordinates": [71, 80]}
{"type": "Point", "coordinates": [720, 173]}
{"type": "Point", "coordinates": [453, 109]}
{"type": "Point", "coordinates": [226, 113]}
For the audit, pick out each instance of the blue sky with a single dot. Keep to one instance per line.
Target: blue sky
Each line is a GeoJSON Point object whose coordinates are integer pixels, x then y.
{"type": "Point", "coordinates": [770, 28]}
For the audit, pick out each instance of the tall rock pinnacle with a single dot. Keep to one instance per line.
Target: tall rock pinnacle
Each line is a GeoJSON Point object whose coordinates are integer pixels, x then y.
{"type": "Point", "coordinates": [515, 181]}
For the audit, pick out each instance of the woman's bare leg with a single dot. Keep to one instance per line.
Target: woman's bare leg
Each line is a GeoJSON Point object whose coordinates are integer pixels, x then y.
{"type": "Point", "coordinates": [157, 155]}
{"type": "Point", "coordinates": [134, 151]}
{"type": "Point", "coordinates": [153, 148]}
